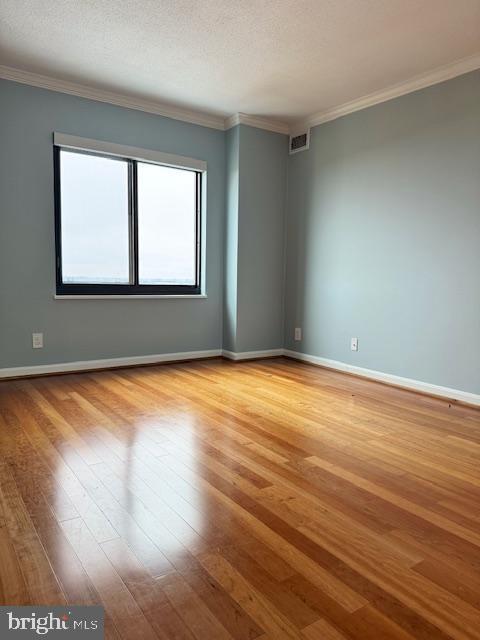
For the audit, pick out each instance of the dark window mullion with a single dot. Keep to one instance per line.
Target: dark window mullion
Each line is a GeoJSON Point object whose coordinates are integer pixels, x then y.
{"type": "Point", "coordinates": [198, 206]}
{"type": "Point", "coordinates": [135, 220]}
{"type": "Point", "coordinates": [131, 232]}
{"type": "Point", "coordinates": [58, 216]}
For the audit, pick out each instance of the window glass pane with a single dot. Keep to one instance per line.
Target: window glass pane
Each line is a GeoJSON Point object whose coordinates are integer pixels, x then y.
{"type": "Point", "coordinates": [95, 224]}
{"type": "Point", "coordinates": [166, 225]}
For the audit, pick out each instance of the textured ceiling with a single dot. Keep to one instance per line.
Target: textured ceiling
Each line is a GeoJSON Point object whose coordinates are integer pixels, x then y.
{"type": "Point", "coordinates": [279, 58]}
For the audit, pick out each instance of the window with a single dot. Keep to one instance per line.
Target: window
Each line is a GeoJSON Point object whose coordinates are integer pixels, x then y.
{"type": "Point", "coordinates": [124, 225]}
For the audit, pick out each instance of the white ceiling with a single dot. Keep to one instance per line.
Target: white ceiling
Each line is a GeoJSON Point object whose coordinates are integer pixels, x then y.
{"type": "Point", "coordinates": [283, 59]}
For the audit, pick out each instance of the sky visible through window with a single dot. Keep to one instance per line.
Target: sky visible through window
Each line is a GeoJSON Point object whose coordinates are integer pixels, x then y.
{"type": "Point", "coordinates": [95, 223]}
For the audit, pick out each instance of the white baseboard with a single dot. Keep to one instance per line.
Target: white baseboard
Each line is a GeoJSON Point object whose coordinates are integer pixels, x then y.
{"type": "Point", "coordinates": [252, 355]}
{"type": "Point", "coordinates": [107, 363]}
{"type": "Point", "coordinates": [85, 365]}
{"type": "Point", "coordinates": [407, 383]}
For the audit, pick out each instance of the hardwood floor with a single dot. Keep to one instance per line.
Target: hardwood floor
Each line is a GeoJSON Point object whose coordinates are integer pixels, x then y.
{"type": "Point", "coordinates": [216, 500]}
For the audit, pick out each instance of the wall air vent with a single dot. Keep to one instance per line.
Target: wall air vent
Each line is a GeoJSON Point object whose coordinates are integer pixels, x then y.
{"type": "Point", "coordinates": [299, 142]}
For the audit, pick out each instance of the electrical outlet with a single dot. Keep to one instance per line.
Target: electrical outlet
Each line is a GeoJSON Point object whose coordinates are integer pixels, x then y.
{"type": "Point", "coordinates": [354, 344]}
{"type": "Point", "coordinates": [298, 334]}
{"type": "Point", "coordinates": [37, 340]}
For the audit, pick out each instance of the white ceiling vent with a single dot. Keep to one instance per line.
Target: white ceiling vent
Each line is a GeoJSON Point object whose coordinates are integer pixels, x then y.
{"type": "Point", "coordinates": [299, 142]}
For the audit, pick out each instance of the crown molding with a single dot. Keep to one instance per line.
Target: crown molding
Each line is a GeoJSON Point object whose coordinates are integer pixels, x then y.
{"type": "Point", "coordinates": [149, 106]}
{"type": "Point", "coordinates": [213, 121]}
{"type": "Point", "coordinates": [258, 122]}
{"type": "Point", "coordinates": [441, 74]}
{"type": "Point", "coordinates": [110, 97]}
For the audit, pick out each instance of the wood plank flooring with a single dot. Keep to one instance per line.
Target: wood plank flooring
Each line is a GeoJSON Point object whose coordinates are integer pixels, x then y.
{"type": "Point", "coordinates": [217, 500]}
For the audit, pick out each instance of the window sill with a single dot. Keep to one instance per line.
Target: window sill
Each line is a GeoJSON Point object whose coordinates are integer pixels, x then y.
{"type": "Point", "coordinates": [197, 296]}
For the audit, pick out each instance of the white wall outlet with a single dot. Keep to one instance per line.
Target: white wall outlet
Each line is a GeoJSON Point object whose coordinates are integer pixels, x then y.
{"type": "Point", "coordinates": [37, 340]}
{"type": "Point", "coordinates": [354, 344]}
{"type": "Point", "coordinates": [298, 334]}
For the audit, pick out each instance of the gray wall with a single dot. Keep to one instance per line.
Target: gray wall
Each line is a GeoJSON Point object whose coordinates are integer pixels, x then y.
{"type": "Point", "coordinates": [232, 183]}
{"type": "Point", "coordinates": [383, 237]}
{"type": "Point", "coordinates": [254, 258]}
{"type": "Point", "coordinates": [263, 176]}
{"type": "Point", "coordinates": [86, 329]}
{"type": "Point", "coordinates": [245, 216]}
